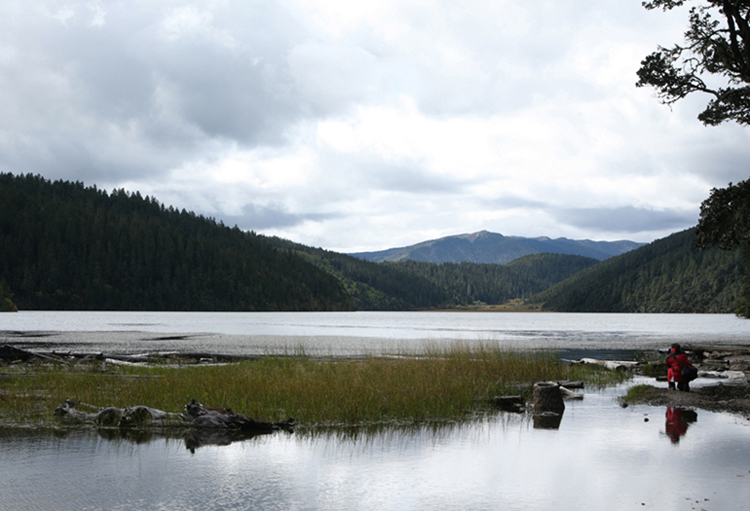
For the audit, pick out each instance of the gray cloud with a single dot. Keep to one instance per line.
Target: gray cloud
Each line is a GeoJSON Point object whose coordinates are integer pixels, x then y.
{"type": "Point", "coordinates": [411, 180]}
{"type": "Point", "coordinates": [626, 219]}
{"type": "Point", "coordinates": [164, 81]}
{"type": "Point", "coordinates": [514, 201]}
{"type": "Point", "coordinates": [203, 100]}
{"type": "Point", "coordinates": [258, 218]}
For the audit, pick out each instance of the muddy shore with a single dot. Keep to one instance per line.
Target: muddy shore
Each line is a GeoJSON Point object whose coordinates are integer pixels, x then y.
{"type": "Point", "coordinates": [723, 372]}
{"type": "Point", "coordinates": [734, 398]}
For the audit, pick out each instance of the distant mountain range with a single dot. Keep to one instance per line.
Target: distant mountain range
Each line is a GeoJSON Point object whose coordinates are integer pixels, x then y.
{"type": "Point", "coordinates": [485, 247]}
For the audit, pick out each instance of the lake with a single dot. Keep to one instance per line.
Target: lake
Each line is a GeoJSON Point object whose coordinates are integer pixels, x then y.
{"type": "Point", "coordinates": [356, 333]}
{"type": "Point", "coordinates": [602, 456]}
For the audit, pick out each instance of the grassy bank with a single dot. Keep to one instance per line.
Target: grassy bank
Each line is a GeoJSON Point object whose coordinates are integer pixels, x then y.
{"type": "Point", "coordinates": [445, 384]}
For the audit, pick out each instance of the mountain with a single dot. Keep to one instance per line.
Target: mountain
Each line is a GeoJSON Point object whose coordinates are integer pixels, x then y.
{"type": "Point", "coordinates": [491, 248]}
{"type": "Point", "coordinates": [66, 246]}
{"type": "Point", "coordinates": [372, 286]}
{"type": "Point", "coordinates": [667, 275]}
{"type": "Point", "coordinates": [405, 285]}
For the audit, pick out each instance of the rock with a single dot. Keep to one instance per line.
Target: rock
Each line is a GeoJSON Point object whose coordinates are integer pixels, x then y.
{"type": "Point", "coordinates": [225, 418]}
{"type": "Point", "coordinates": [137, 416]}
{"type": "Point", "coordinates": [547, 397]}
{"type": "Point", "coordinates": [196, 416]}
{"type": "Point", "coordinates": [547, 420]}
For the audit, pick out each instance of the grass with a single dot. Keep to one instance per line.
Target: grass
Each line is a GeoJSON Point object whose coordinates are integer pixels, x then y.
{"type": "Point", "coordinates": [640, 394]}
{"type": "Point", "coordinates": [443, 384]}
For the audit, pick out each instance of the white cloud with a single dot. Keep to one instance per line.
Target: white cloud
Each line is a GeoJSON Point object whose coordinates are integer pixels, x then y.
{"type": "Point", "coordinates": [364, 125]}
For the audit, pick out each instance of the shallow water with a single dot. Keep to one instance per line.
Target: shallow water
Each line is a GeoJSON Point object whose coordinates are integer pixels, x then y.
{"type": "Point", "coordinates": [355, 333]}
{"type": "Point", "coordinates": [601, 457]}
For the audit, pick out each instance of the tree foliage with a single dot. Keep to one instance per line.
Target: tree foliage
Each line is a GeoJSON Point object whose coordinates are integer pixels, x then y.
{"type": "Point", "coordinates": [373, 286]}
{"type": "Point", "coordinates": [725, 218]}
{"type": "Point", "coordinates": [717, 45]}
{"type": "Point", "coordinates": [668, 275]}
{"type": "Point", "coordinates": [470, 283]}
{"type": "Point", "coordinates": [6, 298]}
{"type": "Point", "coordinates": [725, 222]}
{"type": "Point", "coordinates": [406, 285]}
{"type": "Point", "coordinates": [66, 246]}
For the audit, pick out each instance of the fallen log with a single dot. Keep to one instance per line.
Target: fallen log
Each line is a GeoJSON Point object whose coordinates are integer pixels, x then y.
{"type": "Point", "coordinates": [13, 354]}
{"type": "Point", "coordinates": [196, 416]}
{"type": "Point", "coordinates": [571, 384]}
{"type": "Point", "coordinates": [612, 365]}
{"type": "Point", "coordinates": [569, 395]}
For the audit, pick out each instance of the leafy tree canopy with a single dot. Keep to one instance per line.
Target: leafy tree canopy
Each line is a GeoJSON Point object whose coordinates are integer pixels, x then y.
{"type": "Point", "coordinates": [725, 218]}
{"type": "Point", "coordinates": [717, 44]}
{"type": "Point", "coordinates": [725, 222]}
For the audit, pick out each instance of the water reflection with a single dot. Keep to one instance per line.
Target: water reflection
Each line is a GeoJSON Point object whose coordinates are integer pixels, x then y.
{"type": "Point", "coordinates": [493, 461]}
{"type": "Point", "coordinates": [548, 420]}
{"type": "Point", "coordinates": [678, 420]}
{"type": "Point", "coordinates": [193, 438]}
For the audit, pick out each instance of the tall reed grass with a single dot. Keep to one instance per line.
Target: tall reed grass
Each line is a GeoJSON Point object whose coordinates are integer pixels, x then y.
{"type": "Point", "coordinates": [444, 383]}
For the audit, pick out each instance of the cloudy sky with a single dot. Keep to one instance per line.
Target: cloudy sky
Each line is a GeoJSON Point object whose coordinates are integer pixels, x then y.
{"type": "Point", "coordinates": [364, 125]}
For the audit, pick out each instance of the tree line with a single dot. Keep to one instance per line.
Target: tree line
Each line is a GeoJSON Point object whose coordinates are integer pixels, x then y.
{"type": "Point", "coordinates": [67, 246]}
{"type": "Point", "coordinates": [420, 285]}
{"type": "Point", "coordinates": [668, 275]}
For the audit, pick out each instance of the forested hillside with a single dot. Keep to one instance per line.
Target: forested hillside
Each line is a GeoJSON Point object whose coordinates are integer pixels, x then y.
{"type": "Point", "coordinates": [414, 285]}
{"type": "Point", "coordinates": [66, 246]}
{"type": "Point", "coordinates": [6, 298]}
{"type": "Point", "coordinates": [667, 275]}
{"type": "Point", "coordinates": [373, 286]}
{"type": "Point", "coordinates": [469, 283]}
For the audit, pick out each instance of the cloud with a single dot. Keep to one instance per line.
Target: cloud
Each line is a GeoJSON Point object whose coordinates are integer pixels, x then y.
{"type": "Point", "coordinates": [261, 218]}
{"type": "Point", "coordinates": [363, 125]}
{"type": "Point", "coordinates": [627, 219]}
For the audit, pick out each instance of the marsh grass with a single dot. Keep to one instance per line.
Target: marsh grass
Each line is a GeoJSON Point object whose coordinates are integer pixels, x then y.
{"type": "Point", "coordinates": [444, 383]}
{"type": "Point", "coordinates": [640, 394]}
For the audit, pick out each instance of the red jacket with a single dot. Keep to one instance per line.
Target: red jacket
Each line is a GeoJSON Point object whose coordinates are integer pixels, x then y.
{"type": "Point", "coordinates": [674, 365]}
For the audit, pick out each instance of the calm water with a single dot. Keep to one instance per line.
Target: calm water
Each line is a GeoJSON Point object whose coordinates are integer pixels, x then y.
{"type": "Point", "coordinates": [352, 333]}
{"type": "Point", "coordinates": [601, 457]}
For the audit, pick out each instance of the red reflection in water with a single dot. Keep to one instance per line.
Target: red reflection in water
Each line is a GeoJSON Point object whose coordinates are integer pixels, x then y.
{"type": "Point", "coordinates": [678, 420]}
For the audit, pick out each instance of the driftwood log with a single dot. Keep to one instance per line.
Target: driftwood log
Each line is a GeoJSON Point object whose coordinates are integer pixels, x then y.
{"type": "Point", "coordinates": [196, 416]}
{"type": "Point", "coordinates": [612, 365]}
{"type": "Point", "coordinates": [10, 353]}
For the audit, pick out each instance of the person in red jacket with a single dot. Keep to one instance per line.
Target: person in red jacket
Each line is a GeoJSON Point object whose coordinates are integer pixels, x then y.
{"type": "Point", "coordinates": [676, 360]}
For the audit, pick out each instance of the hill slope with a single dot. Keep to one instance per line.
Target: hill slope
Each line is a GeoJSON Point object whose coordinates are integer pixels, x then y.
{"type": "Point", "coordinates": [491, 248]}
{"type": "Point", "coordinates": [667, 275]}
{"type": "Point", "coordinates": [418, 285]}
{"type": "Point", "coordinates": [372, 286]}
{"type": "Point", "coordinates": [66, 246]}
